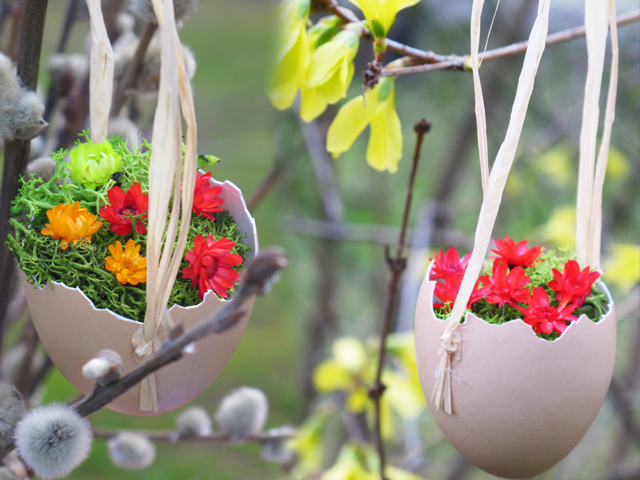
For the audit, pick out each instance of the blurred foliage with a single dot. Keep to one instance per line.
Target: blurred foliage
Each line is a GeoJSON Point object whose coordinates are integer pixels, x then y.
{"type": "Point", "coordinates": [231, 42]}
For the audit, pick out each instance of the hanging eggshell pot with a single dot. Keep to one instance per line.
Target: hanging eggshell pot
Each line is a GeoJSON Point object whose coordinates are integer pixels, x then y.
{"type": "Point", "coordinates": [520, 403]}
{"type": "Point", "coordinates": [72, 331]}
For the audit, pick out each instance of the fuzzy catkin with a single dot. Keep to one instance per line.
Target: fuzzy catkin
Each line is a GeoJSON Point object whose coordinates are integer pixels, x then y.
{"type": "Point", "coordinates": [131, 451]}
{"type": "Point", "coordinates": [278, 450]}
{"type": "Point", "coordinates": [20, 109]}
{"type": "Point", "coordinates": [53, 440]}
{"type": "Point", "coordinates": [193, 422]}
{"type": "Point", "coordinates": [143, 9]}
{"type": "Point", "coordinates": [12, 409]}
{"type": "Point", "coordinates": [242, 413]}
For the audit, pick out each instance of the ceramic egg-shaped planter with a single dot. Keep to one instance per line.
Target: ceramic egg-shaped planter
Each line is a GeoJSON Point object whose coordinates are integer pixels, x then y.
{"type": "Point", "coordinates": [72, 331]}
{"type": "Point", "coordinates": [520, 403]}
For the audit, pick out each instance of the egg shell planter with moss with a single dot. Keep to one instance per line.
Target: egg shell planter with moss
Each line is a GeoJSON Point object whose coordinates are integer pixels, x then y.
{"type": "Point", "coordinates": [520, 403]}
{"type": "Point", "coordinates": [72, 329]}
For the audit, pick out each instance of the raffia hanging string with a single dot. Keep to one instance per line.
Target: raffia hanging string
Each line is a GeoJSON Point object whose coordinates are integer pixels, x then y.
{"type": "Point", "coordinates": [593, 248]}
{"type": "Point", "coordinates": [481, 118]}
{"type": "Point", "coordinates": [101, 73]}
{"type": "Point", "coordinates": [451, 339]}
{"type": "Point", "coordinates": [596, 26]}
{"type": "Point", "coordinates": [167, 176]}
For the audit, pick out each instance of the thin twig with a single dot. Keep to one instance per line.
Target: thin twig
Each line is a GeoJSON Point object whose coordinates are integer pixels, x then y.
{"type": "Point", "coordinates": [69, 19]}
{"type": "Point", "coordinates": [459, 63]}
{"type": "Point", "coordinates": [323, 169]}
{"type": "Point", "coordinates": [16, 153]}
{"type": "Point", "coordinates": [172, 437]}
{"type": "Point", "coordinates": [372, 233]}
{"type": "Point", "coordinates": [259, 273]}
{"type": "Point", "coordinates": [133, 69]}
{"type": "Point", "coordinates": [275, 173]}
{"type": "Point", "coordinates": [396, 267]}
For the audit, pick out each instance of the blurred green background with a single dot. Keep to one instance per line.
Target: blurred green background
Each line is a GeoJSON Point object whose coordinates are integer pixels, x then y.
{"type": "Point", "coordinates": [232, 41]}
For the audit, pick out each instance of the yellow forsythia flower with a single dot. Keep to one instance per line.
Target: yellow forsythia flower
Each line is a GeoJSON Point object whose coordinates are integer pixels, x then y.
{"type": "Point", "coordinates": [560, 229]}
{"type": "Point", "coordinates": [381, 14]}
{"type": "Point", "coordinates": [293, 53]}
{"type": "Point", "coordinates": [623, 268]}
{"type": "Point", "coordinates": [329, 74]}
{"type": "Point", "coordinates": [379, 110]}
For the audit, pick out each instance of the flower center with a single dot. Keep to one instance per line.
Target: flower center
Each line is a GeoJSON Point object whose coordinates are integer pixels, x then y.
{"type": "Point", "coordinates": [127, 264]}
{"type": "Point", "coordinates": [213, 268]}
{"type": "Point", "coordinates": [128, 208]}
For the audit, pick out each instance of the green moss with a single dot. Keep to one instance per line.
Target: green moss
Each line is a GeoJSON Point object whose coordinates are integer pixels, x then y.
{"type": "Point", "coordinates": [82, 265]}
{"type": "Point", "coordinates": [540, 273]}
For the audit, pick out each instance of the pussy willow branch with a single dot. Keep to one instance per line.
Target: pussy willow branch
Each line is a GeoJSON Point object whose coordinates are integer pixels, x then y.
{"type": "Point", "coordinates": [259, 273]}
{"type": "Point", "coordinates": [396, 267]}
{"type": "Point", "coordinates": [133, 69]}
{"type": "Point", "coordinates": [16, 153]}
{"type": "Point", "coordinates": [455, 62]}
{"type": "Point", "coordinates": [171, 436]}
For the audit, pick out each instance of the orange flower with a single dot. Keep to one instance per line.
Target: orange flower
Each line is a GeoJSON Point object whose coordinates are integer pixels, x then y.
{"type": "Point", "coordinates": [128, 266]}
{"type": "Point", "coordinates": [70, 224]}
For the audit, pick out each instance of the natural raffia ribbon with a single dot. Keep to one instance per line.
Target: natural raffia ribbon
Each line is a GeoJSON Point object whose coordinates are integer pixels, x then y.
{"type": "Point", "coordinates": [101, 73]}
{"type": "Point", "coordinates": [167, 174]}
{"type": "Point", "coordinates": [451, 339]}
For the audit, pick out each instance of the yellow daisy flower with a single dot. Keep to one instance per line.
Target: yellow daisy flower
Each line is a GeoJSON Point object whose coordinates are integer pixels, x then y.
{"type": "Point", "coordinates": [127, 264]}
{"type": "Point", "coordinates": [71, 224]}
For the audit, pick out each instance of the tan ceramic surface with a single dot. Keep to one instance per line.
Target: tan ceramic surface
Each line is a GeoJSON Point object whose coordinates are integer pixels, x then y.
{"type": "Point", "coordinates": [520, 403]}
{"type": "Point", "coordinates": [72, 330]}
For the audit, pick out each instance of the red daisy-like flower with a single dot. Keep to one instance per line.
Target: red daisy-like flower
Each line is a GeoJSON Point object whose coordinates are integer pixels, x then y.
{"type": "Point", "coordinates": [125, 206]}
{"type": "Point", "coordinates": [573, 285]}
{"type": "Point", "coordinates": [447, 291]}
{"type": "Point", "coordinates": [211, 264]}
{"type": "Point", "coordinates": [448, 264]}
{"type": "Point", "coordinates": [205, 197]}
{"type": "Point", "coordinates": [543, 317]}
{"type": "Point", "coordinates": [516, 255]}
{"type": "Point", "coordinates": [504, 286]}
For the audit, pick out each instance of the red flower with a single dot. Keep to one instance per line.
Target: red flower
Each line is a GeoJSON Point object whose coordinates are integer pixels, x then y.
{"type": "Point", "coordinates": [543, 317]}
{"type": "Point", "coordinates": [573, 285]}
{"type": "Point", "coordinates": [205, 197]}
{"type": "Point", "coordinates": [503, 288]}
{"type": "Point", "coordinates": [124, 207]}
{"type": "Point", "coordinates": [449, 264]}
{"type": "Point", "coordinates": [448, 291]}
{"type": "Point", "coordinates": [211, 264]}
{"type": "Point", "coordinates": [516, 255]}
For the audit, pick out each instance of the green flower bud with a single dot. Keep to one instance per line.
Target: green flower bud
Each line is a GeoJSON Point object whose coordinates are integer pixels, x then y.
{"type": "Point", "coordinates": [92, 164]}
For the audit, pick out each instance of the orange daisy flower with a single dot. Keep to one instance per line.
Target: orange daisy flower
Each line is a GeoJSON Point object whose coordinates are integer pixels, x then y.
{"type": "Point", "coordinates": [127, 264]}
{"type": "Point", "coordinates": [70, 224]}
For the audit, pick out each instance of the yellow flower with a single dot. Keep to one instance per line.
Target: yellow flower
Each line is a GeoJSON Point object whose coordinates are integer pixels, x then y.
{"type": "Point", "coordinates": [556, 165]}
{"type": "Point", "coordinates": [128, 265]}
{"type": "Point", "coordinates": [293, 53]}
{"type": "Point", "coordinates": [350, 465]}
{"type": "Point", "coordinates": [381, 14]}
{"type": "Point", "coordinates": [623, 268]}
{"type": "Point", "coordinates": [560, 229]}
{"type": "Point", "coordinates": [352, 370]}
{"type": "Point", "coordinates": [70, 224]}
{"type": "Point", "coordinates": [379, 110]}
{"type": "Point", "coordinates": [617, 165]}
{"type": "Point", "coordinates": [329, 74]}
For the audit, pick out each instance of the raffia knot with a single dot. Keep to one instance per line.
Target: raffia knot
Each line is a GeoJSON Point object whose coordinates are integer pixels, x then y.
{"type": "Point", "coordinates": [141, 349]}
